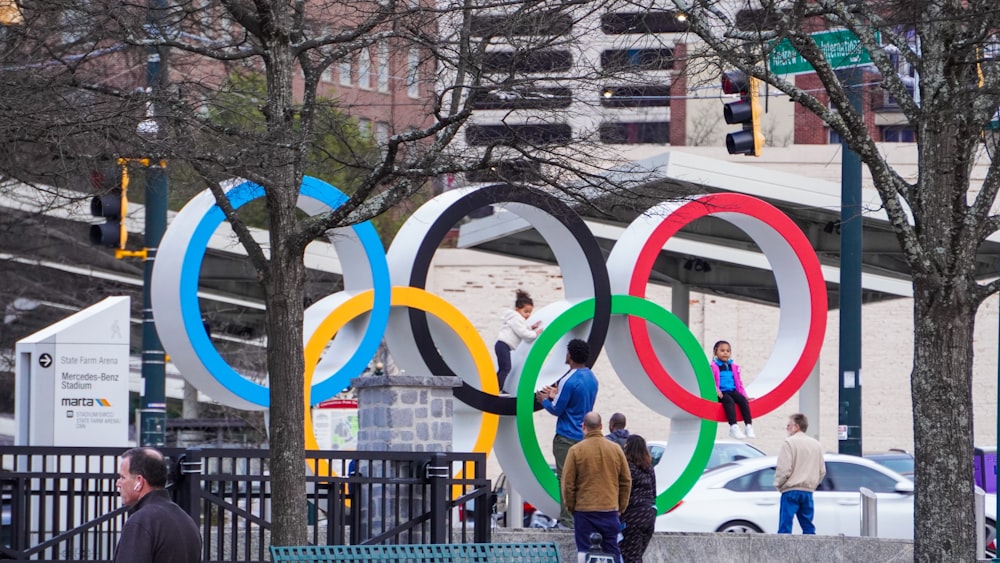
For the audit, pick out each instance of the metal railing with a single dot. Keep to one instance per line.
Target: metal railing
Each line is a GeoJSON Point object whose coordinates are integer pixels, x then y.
{"type": "Point", "coordinates": [64, 506]}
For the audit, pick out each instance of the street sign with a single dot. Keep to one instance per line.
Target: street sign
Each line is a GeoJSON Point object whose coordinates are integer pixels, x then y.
{"type": "Point", "coordinates": [841, 47]}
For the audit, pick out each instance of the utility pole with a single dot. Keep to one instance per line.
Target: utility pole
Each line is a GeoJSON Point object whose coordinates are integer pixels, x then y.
{"type": "Point", "coordinates": [153, 414]}
{"type": "Point", "coordinates": [849, 399]}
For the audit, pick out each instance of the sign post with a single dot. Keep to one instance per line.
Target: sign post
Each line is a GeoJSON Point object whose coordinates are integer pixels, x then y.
{"type": "Point", "coordinates": [842, 49]}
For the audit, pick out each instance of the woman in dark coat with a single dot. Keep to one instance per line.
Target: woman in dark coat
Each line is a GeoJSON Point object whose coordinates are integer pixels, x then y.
{"type": "Point", "coordinates": [640, 516]}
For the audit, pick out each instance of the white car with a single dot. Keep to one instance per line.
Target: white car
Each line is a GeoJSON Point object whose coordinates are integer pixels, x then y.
{"type": "Point", "coordinates": [740, 497]}
{"type": "Point", "coordinates": [990, 512]}
{"type": "Point", "coordinates": [724, 451]}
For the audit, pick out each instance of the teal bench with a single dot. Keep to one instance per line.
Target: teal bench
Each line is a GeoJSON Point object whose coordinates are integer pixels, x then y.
{"type": "Point", "coordinates": [420, 553]}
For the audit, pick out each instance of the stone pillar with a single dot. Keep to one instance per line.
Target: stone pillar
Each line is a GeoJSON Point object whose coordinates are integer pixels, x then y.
{"type": "Point", "coordinates": [400, 413]}
{"type": "Point", "coordinates": [405, 413]}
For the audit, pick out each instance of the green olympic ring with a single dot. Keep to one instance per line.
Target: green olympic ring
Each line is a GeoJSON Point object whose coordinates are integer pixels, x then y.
{"type": "Point", "coordinates": [567, 321]}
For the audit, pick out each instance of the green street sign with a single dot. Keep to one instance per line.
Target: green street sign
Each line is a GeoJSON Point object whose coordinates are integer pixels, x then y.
{"type": "Point", "coordinates": [841, 47]}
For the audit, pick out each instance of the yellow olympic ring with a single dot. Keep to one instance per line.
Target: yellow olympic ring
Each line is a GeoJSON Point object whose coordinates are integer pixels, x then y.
{"type": "Point", "coordinates": [402, 297]}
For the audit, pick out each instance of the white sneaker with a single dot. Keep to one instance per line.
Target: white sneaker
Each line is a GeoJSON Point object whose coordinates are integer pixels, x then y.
{"type": "Point", "coordinates": [749, 431]}
{"type": "Point", "coordinates": [735, 432]}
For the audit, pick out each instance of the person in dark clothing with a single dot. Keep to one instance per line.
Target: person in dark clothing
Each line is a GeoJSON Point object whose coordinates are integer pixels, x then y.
{"type": "Point", "coordinates": [640, 516]}
{"type": "Point", "coordinates": [618, 433]}
{"type": "Point", "coordinates": [157, 530]}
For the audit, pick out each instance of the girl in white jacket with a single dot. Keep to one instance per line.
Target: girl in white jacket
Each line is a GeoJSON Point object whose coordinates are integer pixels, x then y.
{"type": "Point", "coordinates": [515, 329]}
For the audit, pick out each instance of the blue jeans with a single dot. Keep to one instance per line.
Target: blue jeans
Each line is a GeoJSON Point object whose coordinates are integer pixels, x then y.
{"type": "Point", "coordinates": [799, 504]}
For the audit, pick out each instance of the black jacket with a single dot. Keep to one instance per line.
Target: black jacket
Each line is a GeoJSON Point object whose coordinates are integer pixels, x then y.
{"type": "Point", "coordinates": [158, 531]}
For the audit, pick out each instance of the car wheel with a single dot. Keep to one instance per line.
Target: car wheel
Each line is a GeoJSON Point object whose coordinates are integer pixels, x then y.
{"type": "Point", "coordinates": [739, 527]}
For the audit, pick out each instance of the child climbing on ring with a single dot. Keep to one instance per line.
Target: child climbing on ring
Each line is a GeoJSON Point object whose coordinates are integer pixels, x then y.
{"type": "Point", "coordinates": [515, 328]}
{"type": "Point", "coordinates": [729, 388]}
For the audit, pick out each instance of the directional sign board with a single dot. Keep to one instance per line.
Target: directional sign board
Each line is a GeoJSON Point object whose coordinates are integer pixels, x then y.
{"type": "Point", "coordinates": [73, 380]}
{"type": "Point", "coordinates": [840, 47]}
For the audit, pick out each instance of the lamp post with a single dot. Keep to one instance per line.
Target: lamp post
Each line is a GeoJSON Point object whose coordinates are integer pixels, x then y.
{"type": "Point", "coordinates": [153, 412]}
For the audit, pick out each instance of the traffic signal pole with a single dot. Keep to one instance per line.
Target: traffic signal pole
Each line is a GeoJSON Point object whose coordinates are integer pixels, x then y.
{"type": "Point", "coordinates": [849, 415]}
{"type": "Point", "coordinates": [153, 414]}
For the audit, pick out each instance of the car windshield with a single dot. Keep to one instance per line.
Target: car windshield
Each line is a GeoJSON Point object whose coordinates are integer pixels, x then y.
{"type": "Point", "coordinates": [722, 453]}
{"type": "Point", "coordinates": [726, 452]}
{"type": "Point", "coordinates": [902, 465]}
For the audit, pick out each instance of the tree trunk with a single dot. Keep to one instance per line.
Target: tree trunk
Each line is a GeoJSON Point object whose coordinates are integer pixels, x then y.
{"type": "Point", "coordinates": [285, 368]}
{"type": "Point", "coordinates": [284, 295]}
{"type": "Point", "coordinates": [941, 388]}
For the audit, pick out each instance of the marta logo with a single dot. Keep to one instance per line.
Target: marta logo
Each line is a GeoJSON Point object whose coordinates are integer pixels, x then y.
{"type": "Point", "coordinates": [85, 402]}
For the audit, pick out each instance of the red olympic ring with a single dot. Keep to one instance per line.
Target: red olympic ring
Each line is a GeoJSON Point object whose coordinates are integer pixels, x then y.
{"type": "Point", "coordinates": [733, 204]}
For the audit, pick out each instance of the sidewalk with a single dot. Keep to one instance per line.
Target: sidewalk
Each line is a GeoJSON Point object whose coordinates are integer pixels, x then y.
{"type": "Point", "coordinates": [673, 547]}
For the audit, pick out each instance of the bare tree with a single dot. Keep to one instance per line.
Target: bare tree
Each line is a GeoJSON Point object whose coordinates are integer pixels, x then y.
{"type": "Point", "coordinates": [76, 93]}
{"type": "Point", "coordinates": [941, 220]}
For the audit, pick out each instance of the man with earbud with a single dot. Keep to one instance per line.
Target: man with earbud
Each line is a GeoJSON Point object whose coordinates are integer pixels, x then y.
{"type": "Point", "coordinates": [157, 530]}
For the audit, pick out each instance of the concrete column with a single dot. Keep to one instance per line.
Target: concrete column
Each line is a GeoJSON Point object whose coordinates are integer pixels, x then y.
{"type": "Point", "coordinates": [809, 401]}
{"type": "Point", "coordinates": [680, 301]}
{"type": "Point", "coordinates": [190, 409]}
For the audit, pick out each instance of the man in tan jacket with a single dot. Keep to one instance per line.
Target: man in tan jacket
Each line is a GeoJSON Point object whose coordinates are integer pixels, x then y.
{"type": "Point", "coordinates": [595, 487]}
{"type": "Point", "coordinates": [800, 470]}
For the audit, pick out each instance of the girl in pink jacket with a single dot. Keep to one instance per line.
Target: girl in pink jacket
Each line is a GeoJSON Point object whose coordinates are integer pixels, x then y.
{"type": "Point", "coordinates": [729, 388]}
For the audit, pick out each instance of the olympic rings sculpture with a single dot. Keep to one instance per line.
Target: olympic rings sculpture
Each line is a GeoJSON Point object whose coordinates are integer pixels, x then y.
{"type": "Point", "coordinates": [604, 303]}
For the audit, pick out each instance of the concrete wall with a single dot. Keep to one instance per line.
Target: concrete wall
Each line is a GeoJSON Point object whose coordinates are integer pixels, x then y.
{"type": "Point", "coordinates": [669, 547]}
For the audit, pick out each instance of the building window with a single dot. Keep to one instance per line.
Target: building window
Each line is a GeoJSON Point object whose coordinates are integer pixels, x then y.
{"type": "Point", "coordinates": [382, 133]}
{"type": "Point", "coordinates": [522, 171]}
{"type": "Point", "coordinates": [898, 134]}
{"type": "Point", "coordinates": [365, 127]}
{"type": "Point", "coordinates": [365, 69]}
{"type": "Point", "coordinates": [206, 18]}
{"type": "Point", "coordinates": [635, 96]}
{"type": "Point", "coordinates": [635, 133]}
{"type": "Point", "coordinates": [345, 71]}
{"type": "Point", "coordinates": [74, 25]}
{"type": "Point", "coordinates": [642, 22]}
{"type": "Point", "coordinates": [524, 98]}
{"type": "Point", "coordinates": [835, 137]}
{"type": "Point", "coordinates": [383, 66]}
{"type": "Point", "coordinates": [527, 61]}
{"type": "Point", "coordinates": [756, 19]}
{"type": "Point", "coordinates": [526, 134]}
{"type": "Point", "coordinates": [413, 73]}
{"type": "Point", "coordinates": [618, 60]}
{"type": "Point", "coordinates": [539, 24]}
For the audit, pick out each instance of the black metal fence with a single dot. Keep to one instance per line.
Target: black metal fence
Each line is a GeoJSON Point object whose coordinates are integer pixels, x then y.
{"type": "Point", "coordinates": [63, 505]}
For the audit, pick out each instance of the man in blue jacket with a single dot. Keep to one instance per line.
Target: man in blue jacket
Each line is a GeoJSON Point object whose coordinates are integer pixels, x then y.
{"type": "Point", "coordinates": [570, 398]}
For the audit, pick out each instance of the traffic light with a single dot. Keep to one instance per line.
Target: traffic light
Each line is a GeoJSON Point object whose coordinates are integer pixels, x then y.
{"type": "Point", "coordinates": [746, 112]}
{"type": "Point", "coordinates": [112, 204]}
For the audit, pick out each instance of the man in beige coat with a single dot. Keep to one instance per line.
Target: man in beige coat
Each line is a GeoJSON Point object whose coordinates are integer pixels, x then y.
{"type": "Point", "coordinates": [595, 487]}
{"type": "Point", "coordinates": [800, 470]}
